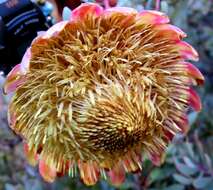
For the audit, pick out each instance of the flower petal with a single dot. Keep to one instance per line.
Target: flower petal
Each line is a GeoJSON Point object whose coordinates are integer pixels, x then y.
{"type": "Point", "coordinates": [184, 124]}
{"type": "Point", "coordinates": [89, 172]}
{"type": "Point", "coordinates": [132, 163]}
{"type": "Point", "coordinates": [48, 173]}
{"type": "Point", "coordinates": [194, 100]}
{"type": "Point", "coordinates": [156, 159]}
{"type": "Point", "coordinates": [170, 32]}
{"type": "Point", "coordinates": [117, 174]}
{"type": "Point", "coordinates": [123, 10]}
{"type": "Point", "coordinates": [14, 79]}
{"type": "Point", "coordinates": [86, 8]}
{"type": "Point", "coordinates": [54, 30]}
{"type": "Point", "coordinates": [64, 169]}
{"type": "Point", "coordinates": [31, 155]}
{"type": "Point", "coordinates": [25, 62]}
{"type": "Point", "coordinates": [195, 73]}
{"type": "Point", "coordinates": [187, 51]}
{"type": "Point", "coordinates": [153, 17]}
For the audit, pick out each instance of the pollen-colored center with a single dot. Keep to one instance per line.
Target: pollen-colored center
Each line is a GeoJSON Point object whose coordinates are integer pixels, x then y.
{"type": "Point", "coordinates": [102, 87]}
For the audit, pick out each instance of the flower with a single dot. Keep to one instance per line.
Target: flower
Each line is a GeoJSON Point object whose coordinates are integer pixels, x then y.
{"type": "Point", "coordinates": [102, 90]}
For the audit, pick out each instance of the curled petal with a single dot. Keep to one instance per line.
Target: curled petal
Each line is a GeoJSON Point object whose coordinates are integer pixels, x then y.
{"type": "Point", "coordinates": [25, 62]}
{"type": "Point", "coordinates": [14, 79]}
{"type": "Point", "coordinates": [54, 30]}
{"type": "Point", "coordinates": [11, 116]}
{"type": "Point", "coordinates": [123, 10]}
{"type": "Point", "coordinates": [65, 168]}
{"type": "Point", "coordinates": [153, 17]}
{"type": "Point", "coordinates": [171, 32]}
{"type": "Point", "coordinates": [89, 172]}
{"type": "Point", "coordinates": [195, 73]}
{"type": "Point", "coordinates": [132, 163]}
{"type": "Point", "coordinates": [156, 159]}
{"type": "Point", "coordinates": [184, 124]}
{"type": "Point", "coordinates": [187, 51]}
{"type": "Point", "coordinates": [31, 155]}
{"type": "Point", "coordinates": [48, 173]}
{"type": "Point", "coordinates": [117, 174]}
{"type": "Point", "coordinates": [86, 8]}
{"type": "Point", "coordinates": [194, 100]}
{"type": "Point", "coordinates": [168, 135]}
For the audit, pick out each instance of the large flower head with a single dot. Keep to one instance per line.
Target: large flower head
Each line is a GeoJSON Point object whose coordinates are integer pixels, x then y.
{"type": "Point", "coordinates": [101, 90]}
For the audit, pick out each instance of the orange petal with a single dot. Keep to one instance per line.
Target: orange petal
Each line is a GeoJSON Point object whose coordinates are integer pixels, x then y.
{"type": "Point", "coordinates": [11, 116]}
{"type": "Point", "coordinates": [89, 172]}
{"type": "Point", "coordinates": [132, 163]}
{"type": "Point", "coordinates": [168, 135]}
{"type": "Point", "coordinates": [187, 51]}
{"type": "Point", "coordinates": [65, 168]}
{"type": "Point", "coordinates": [184, 124]}
{"type": "Point", "coordinates": [14, 79]}
{"type": "Point", "coordinates": [195, 73]}
{"type": "Point", "coordinates": [156, 159]}
{"type": "Point", "coordinates": [48, 173]}
{"type": "Point", "coordinates": [86, 8]}
{"type": "Point", "coordinates": [54, 30]}
{"type": "Point", "coordinates": [194, 100]}
{"type": "Point", "coordinates": [31, 155]}
{"type": "Point", "coordinates": [25, 62]}
{"type": "Point", "coordinates": [170, 32]}
{"type": "Point", "coordinates": [117, 174]}
{"type": "Point", "coordinates": [152, 17]}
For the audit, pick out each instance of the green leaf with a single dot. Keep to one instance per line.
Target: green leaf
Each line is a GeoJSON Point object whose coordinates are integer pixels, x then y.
{"type": "Point", "coordinates": [175, 187]}
{"type": "Point", "coordinates": [201, 182]}
{"type": "Point", "coordinates": [189, 162]}
{"type": "Point", "coordinates": [184, 169]}
{"type": "Point", "coordinates": [182, 180]}
{"type": "Point", "coordinates": [9, 187]}
{"type": "Point", "coordinates": [189, 148]}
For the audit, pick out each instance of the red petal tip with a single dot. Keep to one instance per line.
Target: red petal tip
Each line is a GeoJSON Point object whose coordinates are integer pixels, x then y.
{"type": "Point", "coordinates": [48, 173]}
{"type": "Point", "coordinates": [195, 73]}
{"type": "Point", "coordinates": [153, 17]}
{"type": "Point", "coordinates": [86, 8]}
{"type": "Point", "coordinates": [187, 51]}
{"type": "Point", "coordinates": [194, 100]}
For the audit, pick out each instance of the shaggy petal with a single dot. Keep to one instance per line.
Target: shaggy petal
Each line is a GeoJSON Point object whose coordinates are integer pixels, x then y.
{"type": "Point", "coordinates": [26, 61]}
{"type": "Point", "coordinates": [194, 73]}
{"type": "Point", "coordinates": [152, 17]}
{"type": "Point", "coordinates": [14, 79]}
{"type": "Point", "coordinates": [117, 174]}
{"type": "Point", "coordinates": [54, 30]}
{"type": "Point", "coordinates": [194, 100]}
{"type": "Point", "coordinates": [187, 51]}
{"type": "Point", "coordinates": [156, 159]}
{"type": "Point", "coordinates": [184, 124]}
{"type": "Point", "coordinates": [89, 172]}
{"type": "Point", "coordinates": [11, 116]}
{"type": "Point", "coordinates": [170, 32]}
{"type": "Point", "coordinates": [85, 9]}
{"type": "Point", "coordinates": [132, 163]}
{"type": "Point", "coordinates": [31, 155]}
{"type": "Point", "coordinates": [48, 173]}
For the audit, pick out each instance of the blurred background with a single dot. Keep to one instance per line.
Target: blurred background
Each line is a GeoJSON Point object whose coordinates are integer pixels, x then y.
{"type": "Point", "coordinates": [189, 159]}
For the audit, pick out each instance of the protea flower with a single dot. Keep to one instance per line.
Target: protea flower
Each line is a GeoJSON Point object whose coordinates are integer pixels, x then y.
{"type": "Point", "coordinates": [98, 92]}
